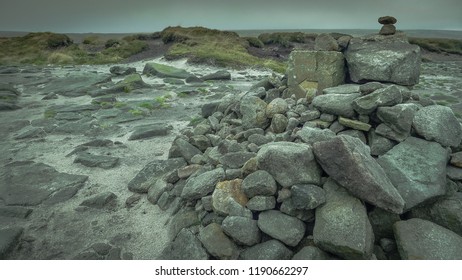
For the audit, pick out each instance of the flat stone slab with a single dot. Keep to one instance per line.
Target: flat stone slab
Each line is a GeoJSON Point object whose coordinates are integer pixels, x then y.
{"type": "Point", "coordinates": [165, 71]}
{"type": "Point", "coordinates": [423, 240]}
{"type": "Point", "coordinates": [91, 160]}
{"type": "Point", "coordinates": [27, 183]}
{"type": "Point", "coordinates": [148, 131]}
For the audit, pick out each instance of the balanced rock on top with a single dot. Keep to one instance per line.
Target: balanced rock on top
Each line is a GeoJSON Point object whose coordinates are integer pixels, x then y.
{"type": "Point", "coordinates": [388, 27]}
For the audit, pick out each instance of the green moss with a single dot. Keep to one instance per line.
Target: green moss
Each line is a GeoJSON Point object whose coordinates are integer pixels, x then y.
{"type": "Point", "coordinates": [136, 112]}
{"type": "Point", "coordinates": [285, 39]}
{"type": "Point", "coordinates": [146, 105]}
{"type": "Point", "coordinates": [119, 104]}
{"type": "Point", "coordinates": [196, 120]}
{"type": "Point", "coordinates": [49, 114]}
{"type": "Point", "coordinates": [254, 42]}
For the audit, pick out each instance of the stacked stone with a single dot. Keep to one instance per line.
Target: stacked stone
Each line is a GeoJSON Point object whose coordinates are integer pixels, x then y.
{"type": "Point", "coordinates": [267, 177]}
{"type": "Point", "coordinates": [388, 27]}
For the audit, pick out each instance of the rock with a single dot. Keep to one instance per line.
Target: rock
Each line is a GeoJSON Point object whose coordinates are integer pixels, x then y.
{"type": "Point", "coordinates": [185, 218]}
{"type": "Point", "coordinates": [279, 123]}
{"type": "Point", "coordinates": [384, 59]}
{"type": "Point", "coordinates": [26, 183]}
{"type": "Point", "coordinates": [307, 196]}
{"type": "Point", "coordinates": [219, 75]}
{"type": "Point", "coordinates": [336, 104]}
{"type": "Point", "coordinates": [311, 253]}
{"type": "Point", "coordinates": [310, 72]}
{"type": "Point", "coordinates": [456, 159]}
{"type": "Point", "coordinates": [100, 201]}
{"type": "Point", "coordinates": [261, 203]}
{"type": "Point", "coordinates": [101, 248]}
{"type": "Point", "coordinates": [122, 70]}
{"type": "Point", "coordinates": [226, 191]}
{"type": "Point", "coordinates": [173, 81]}
{"type": "Point", "coordinates": [379, 145]}
{"type": "Point", "coordinates": [423, 240]}
{"type": "Point", "coordinates": [128, 84]}
{"type": "Point", "coordinates": [90, 160]}
{"type": "Point", "coordinates": [193, 80]}
{"type": "Point", "coordinates": [289, 163]}
{"type": "Point", "coordinates": [147, 131]}
{"type": "Point", "coordinates": [354, 124]}
{"type": "Point", "coordinates": [153, 171]}
{"type": "Point", "coordinates": [157, 189]}
{"type": "Point", "coordinates": [277, 106]}
{"type": "Point", "coordinates": [454, 173]}
{"type": "Point", "coordinates": [387, 132]}
{"type": "Point", "coordinates": [242, 230]}
{"type": "Point", "coordinates": [382, 223]}
{"type": "Point", "coordinates": [446, 212]}
{"type": "Point", "coordinates": [217, 243]}
{"type": "Point", "coordinates": [164, 71]}
{"type": "Point", "coordinates": [15, 212]}
{"type": "Point", "coordinates": [268, 250]}
{"type": "Point", "coordinates": [209, 108]}
{"type": "Point", "coordinates": [399, 117]}
{"type": "Point", "coordinates": [370, 87]}
{"type": "Point", "coordinates": [417, 170]}
{"type": "Point", "coordinates": [325, 42]}
{"type": "Point", "coordinates": [203, 184]}
{"type": "Point", "coordinates": [342, 89]}
{"type": "Point", "coordinates": [35, 132]}
{"type": "Point", "coordinates": [341, 226]}
{"type": "Point", "coordinates": [354, 133]}
{"type": "Point", "coordinates": [438, 123]}
{"type": "Point", "coordinates": [348, 161]}
{"type": "Point", "coordinates": [9, 238]}
{"type": "Point", "coordinates": [388, 96]}
{"type": "Point", "coordinates": [387, 20]}
{"type": "Point", "coordinates": [259, 183]}
{"type": "Point", "coordinates": [88, 256]}
{"type": "Point", "coordinates": [186, 149]}
{"type": "Point", "coordinates": [253, 111]}
{"type": "Point", "coordinates": [236, 159]}
{"type": "Point", "coordinates": [287, 229]}
{"type": "Point", "coordinates": [387, 29]}
{"type": "Point", "coordinates": [186, 246]}
{"type": "Point", "coordinates": [312, 135]}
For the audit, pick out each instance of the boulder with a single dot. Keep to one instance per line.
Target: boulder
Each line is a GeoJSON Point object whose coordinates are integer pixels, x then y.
{"type": "Point", "coordinates": [310, 72]}
{"type": "Point", "coordinates": [382, 223]}
{"type": "Point", "coordinates": [259, 182]}
{"type": "Point", "coordinates": [388, 96]}
{"type": "Point", "coordinates": [325, 42]}
{"type": "Point", "coordinates": [417, 170]}
{"type": "Point", "coordinates": [147, 131]}
{"type": "Point", "coordinates": [342, 226]}
{"type": "Point", "coordinates": [399, 117]}
{"type": "Point", "coordinates": [203, 184]}
{"type": "Point", "coordinates": [253, 111]}
{"type": "Point", "coordinates": [268, 250]}
{"type": "Point", "coordinates": [219, 75]}
{"type": "Point", "coordinates": [226, 191]}
{"type": "Point", "coordinates": [9, 238]}
{"type": "Point", "coordinates": [387, 29]}
{"type": "Point", "coordinates": [287, 229]}
{"type": "Point", "coordinates": [236, 159]}
{"type": "Point", "coordinates": [348, 161]}
{"type": "Point", "coordinates": [122, 70]}
{"type": "Point", "coordinates": [277, 106]}
{"type": "Point", "coordinates": [307, 196]}
{"type": "Point", "coordinates": [336, 104]}
{"type": "Point", "coordinates": [164, 71]}
{"type": "Point", "coordinates": [423, 240]}
{"type": "Point", "coordinates": [279, 123]}
{"type": "Point", "coordinates": [355, 124]}
{"type": "Point", "coordinates": [90, 160]}
{"type": "Point", "coordinates": [186, 149]}
{"type": "Point", "coordinates": [342, 89]}
{"type": "Point", "coordinates": [186, 246]}
{"type": "Point", "coordinates": [242, 230]}
{"type": "Point", "coordinates": [261, 203]}
{"type": "Point", "coordinates": [438, 123]}
{"type": "Point", "coordinates": [384, 59]}
{"type": "Point", "coordinates": [312, 135]}
{"type": "Point", "coordinates": [217, 243]}
{"type": "Point", "coordinates": [100, 201]}
{"type": "Point", "coordinates": [289, 163]}
{"type": "Point", "coordinates": [387, 20]}
{"type": "Point", "coordinates": [311, 253]}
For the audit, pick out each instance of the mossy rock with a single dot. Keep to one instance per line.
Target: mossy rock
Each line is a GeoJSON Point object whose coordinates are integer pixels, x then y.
{"type": "Point", "coordinates": [165, 71]}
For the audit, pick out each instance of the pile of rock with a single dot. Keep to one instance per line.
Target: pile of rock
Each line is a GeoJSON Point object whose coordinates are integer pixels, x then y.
{"type": "Point", "coordinates": [388, 27]}
{"type": "Point", "coordinates": [264, 177]}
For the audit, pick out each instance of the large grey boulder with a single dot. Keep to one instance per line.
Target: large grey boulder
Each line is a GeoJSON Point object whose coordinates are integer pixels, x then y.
{"type": "Point", "coordinates": [388, 96]}
{"type": "Point", "coordinates": [253, 111]}
{"type": "Point", "coordinates": [307, 196]}
{"type": "Point", "coordinates": [348, 161]}
{"type": "Point", "coordinates": [203, 184]}
{"type": "Point", "coordinates": [287, 229]}
{"type": "Point", "coordinates": [336, 104]}
{"type": "Point", "coordinates": [417, 169]}
{"type": "Point", "coordinates": [289, 163]}
{"type": "Point", "coordinates": [438, 123]}
{"type": "Point", "coordinates": [383, 58]}
{"type": "Point", "coordinates": [165, 71]}
{"type": "Point", "coordinates": [269, 250]}
{"type": "Point", "coordinates": [312, 135]}
{"type": "Point", "coordinates": [186, 246]}
{"type": "Point", "coordinates": [242, 230]}
{"type": "Point", "coordinates": [186, 149]}
{"type": "Point", "coordinates": [341, 226]}
{"type": "Point", "coordinates": [259, 182]}
{"type": "Point", "coordinates": [423, 240]}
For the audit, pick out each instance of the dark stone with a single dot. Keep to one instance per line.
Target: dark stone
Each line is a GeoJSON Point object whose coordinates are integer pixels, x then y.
{"type": "Point", "coordinates": [341, 226]}
{"type": "Point", "coordinates": [417, 170]}
{"type": "Point", "coordinates": [307, 196]}
{"type": "Point", "coordinates": [423, 240]}
{"type": "Point", "coordinates": [259, 182]}
{"type": "Point", "coordinates": [153, 170]}
{"type": "Point", "coordinates": [122, 70]}
{"type": "Point", "coordinates": [287, 229]}
{"type": "Point", "coordinates": [219, 75]}
{"type": "Point", "coordinates": [387, 20]}
{"type": "Point", "coordinates": [186, 149]}
{"type": "Point", "coordinates": [100, 201]}
{"type": "Point", "coordinates": [163, 71]}
{"type": "Point", "coordinates": [217, 243]}
{"type": "Point", "coordinates": [147, 131]}
{"type": "Point", "coordinates": [15, 212]}
{"type": "Point", "coordinates": [312, 135]}
{"type": "Point", "coordinates": [388, 96]}
{"type": "Point", "coordinates": [348, 161]}
{"type": "Point", "coordinates": [311, 253]}
{"type": "Point", "coordinates": [90, 160]}
{"type": "Point", "coordinates": [336, 104]}
{"type": "Point", "coordinates": [186, 246]}
{"type": "Point", "coordinates": [325, 42]}
{"type": "Point", "coordinates": [185, 218]}
{"type": "Point", "coordinates": [269, 250]}
{"type": "Point", "coordinates": [101, 248]}
{"type": "Point", "coordinates": [387, 29]}
{"type": "Point", "coordinates": [236, 159]}
{"type": "Point", "coordinates": [203, 184]}
{"type": "Point", "coordinates": [9, 238]}
{"type": "Point", "coordinates": [28, 183]}
{"type": "Point", "coordinates": [242, 230]}
{"type": "Point", "coordinates": [382, 223]}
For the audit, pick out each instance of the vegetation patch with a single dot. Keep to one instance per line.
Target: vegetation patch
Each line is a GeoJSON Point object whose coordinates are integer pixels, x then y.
{"type": "Point", "coordinates": [286, 39]}
{"type": "Point", "coordinates": [438, 45]}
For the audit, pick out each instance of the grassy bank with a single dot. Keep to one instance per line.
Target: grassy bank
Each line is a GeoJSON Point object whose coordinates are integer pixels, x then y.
{"type": "Point", "coordinates": [438, 45]}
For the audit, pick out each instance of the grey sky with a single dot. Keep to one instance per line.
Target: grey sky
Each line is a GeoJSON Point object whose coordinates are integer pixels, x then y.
{"type": "Point", "coordinates": [121, 16]}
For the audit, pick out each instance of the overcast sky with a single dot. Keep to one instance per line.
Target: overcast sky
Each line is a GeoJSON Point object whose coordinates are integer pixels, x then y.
{"type": "Point", "coordinates": [119, 16]}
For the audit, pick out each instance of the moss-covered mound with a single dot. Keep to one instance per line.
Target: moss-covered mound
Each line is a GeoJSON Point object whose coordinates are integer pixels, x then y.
{"type": "Point", "coordinates": [438, 45]}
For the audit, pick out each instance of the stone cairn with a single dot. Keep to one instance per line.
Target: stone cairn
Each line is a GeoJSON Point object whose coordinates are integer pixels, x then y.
{"type": "Point", "coordinates": [307, 167]}
{"type": "Point", "coordinates": [388, 27]}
